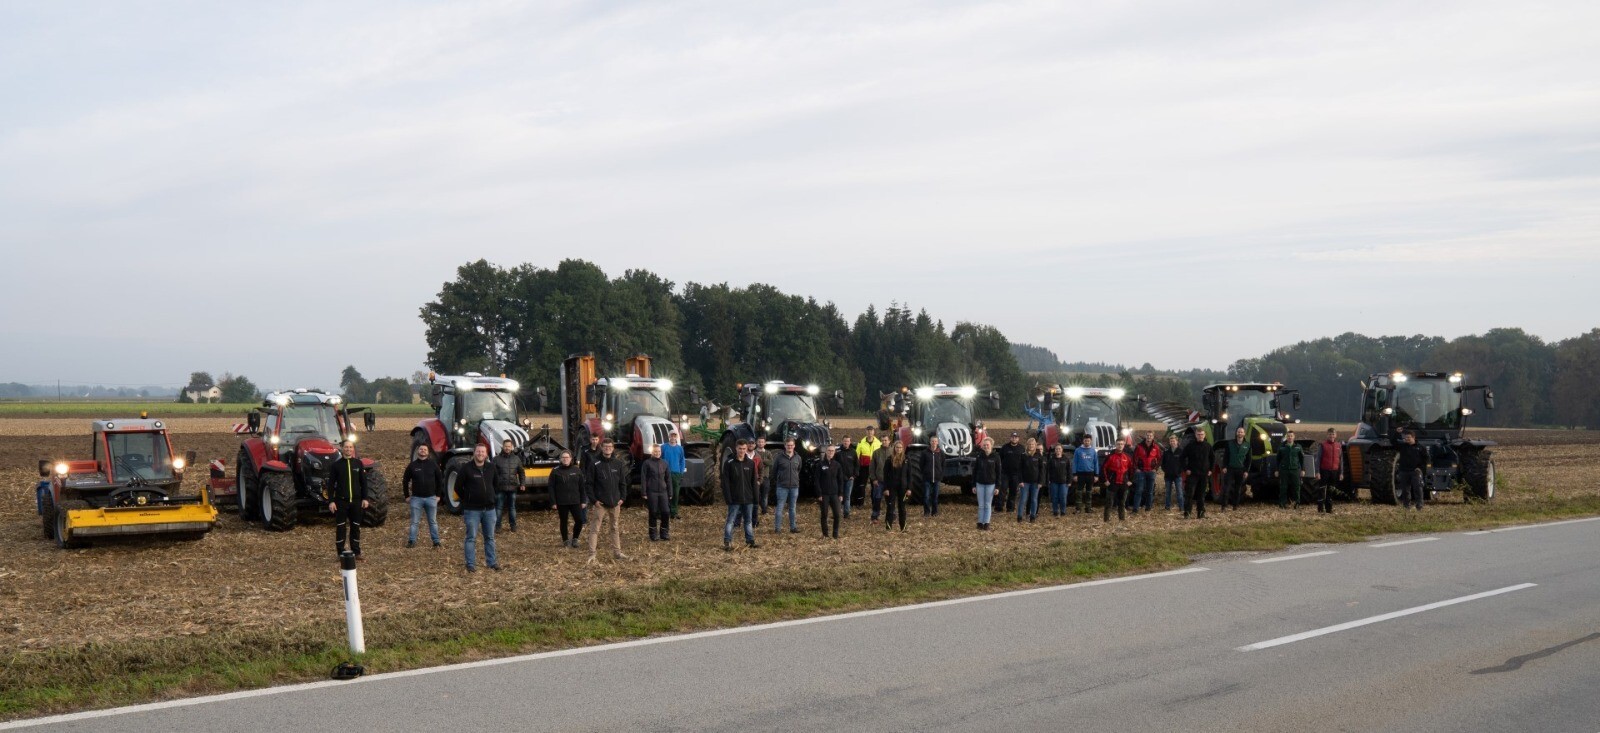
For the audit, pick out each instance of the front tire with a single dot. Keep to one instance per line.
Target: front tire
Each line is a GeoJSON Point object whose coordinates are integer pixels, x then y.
{"type": "Point", "coordinates": [1380, 477]}
{"type": "Point", "coordinates": [47, 515]}
{"type": "Point", "coordinates": [377, 511]}
{"type": "Point", "coordinates": [708, 491]}
{"type": "Point", "coordinates": [280, 510]}
{"type": "Point", "coordinates": [1477, 470]}
{"type": "Point", "coordinates": [449, 500]}
{"type": "Point", "coordinates": [248, 486]}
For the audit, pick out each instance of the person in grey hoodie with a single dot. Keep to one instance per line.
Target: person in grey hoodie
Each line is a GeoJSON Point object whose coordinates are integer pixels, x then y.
{"type": "Point", "coordinates": [785, 479]}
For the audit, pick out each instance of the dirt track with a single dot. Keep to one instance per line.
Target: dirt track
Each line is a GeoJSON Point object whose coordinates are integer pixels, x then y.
{"type": "Point", "coordinates": [241, 576]}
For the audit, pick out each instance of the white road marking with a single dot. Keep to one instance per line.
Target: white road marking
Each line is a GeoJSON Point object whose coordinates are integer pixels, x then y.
{"type": "Point", "coordinates": [1295, 557]}
{"type": "Point", "coordinates": [1534, 526]}
{"type": "Point", "coordinates": [649, 641]}
{"type": "Point", "coordinates": [1302, 636]}
{"type": "Point", "coordinates": [1404, 542]}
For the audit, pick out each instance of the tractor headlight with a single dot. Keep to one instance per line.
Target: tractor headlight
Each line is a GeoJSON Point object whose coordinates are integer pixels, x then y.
{"type": "Point", "coordinates": [924, 393]}
{"type": "Point", "coordinates": [1455, 378]}
{"type": "Point", "coordinates": [606, 425]}
{"type": "Point", "coordinates": [812, 389]}
{"type": "Point", "coordinates": [1224, 415]}
{"type": "Point", "coordinates": [334, 400]}
{"type": "Point", "coordinates": [350, 437]}
{"type": "Point", "coordinates": [460, 430]}
{"type": "Point", "coordinates": [177, 464]}
{"type": "Point", "coordinates": [1398, 377]}
{"type": "Point", "coordinates": [61, 469]}
{"type": "Point", "coordinates": [916, 430]}
{"type": "Point", "coordinates": [514, 386]}
{"type": "Point", "coordinates": [968, 392]}
{"type": "Point", "coordinates": [683, 424]}
{"type": "Point", "coordinates": [664, 384]}
{"type": "Point", "coordinates": [1118, 393]}
{"type": "Point", "coordinates": [273, 440]}
{"type": "Point", "coordinates": [462, 421]}
{"type": "Point", "coordinates": [1466, 411]}
{"type": "Point", "coordinates": [1074, 393]}
{"type": "Point", "coordinates": [808, 446]}
{"type": "Point", "coordinates": [772, 389]}
{"type": "Point", "coordinates": [1127, 432]}
{"type": "Point", "coordinates": [1388, 410]}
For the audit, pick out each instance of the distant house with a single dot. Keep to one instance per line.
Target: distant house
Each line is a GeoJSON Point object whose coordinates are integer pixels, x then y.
{"type": "Point", "coordinates": [209, 394]}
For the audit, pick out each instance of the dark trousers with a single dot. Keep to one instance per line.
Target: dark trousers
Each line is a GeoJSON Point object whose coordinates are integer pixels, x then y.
{"type": "Point", "coordinates": [894, 504]}
{"type": "Point", "coordinates": [1116, 493]}
{"type": "Point", "coordinates": [1084, 490]}
{"type": "Point", "coordinates": [829, 506]}
{"type": "Point", "coordinates": [348, 518]}
{"type": "Point", "coordinates": [563, 511]}
{"type": "Point", "coordinates": [1289, 487]}
{"type": "Point", "coordinates": [930, 498]}
{"type": "Point", "coordinates": [1199, 487]}
{"type": "Point", "coordinates": [1408, 484]}
{"type": "Point", "coordinates": [1329, 480]}
{"type": "Point", "coordinates": [1008, 492]}
{"type": "Point", "coordinates": [660, 522]}
{"type": "Point", "coordinates": [506, 504]}
{"type": "Point", "coordinates": [877, 500]}
{"type": "Point", "coordinates": [1233, 487]}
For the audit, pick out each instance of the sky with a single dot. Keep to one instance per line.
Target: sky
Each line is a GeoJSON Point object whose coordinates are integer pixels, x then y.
{"type": "Point", "coordinates": [276, 189]}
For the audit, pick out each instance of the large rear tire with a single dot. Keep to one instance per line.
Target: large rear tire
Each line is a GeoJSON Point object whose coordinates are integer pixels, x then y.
{"type": "Point", "coordinates": [449, 500]}
{"type": "Point", "coordinates": [248, 484]}
{"type": "Point", "coordinates": [377, 511]}
{"type": "Point", "coordinates": [64, 538]}
{"type": "Point", "coordinates": [1380, 476]}
{"type": "Point", "coordinates": [47, 515]}
{"type": "Point", "coordinates": [280, 510]}
{"type": "Point", "coordinates": [1477, 470]}
{"type": "Point", "coordinates": [711, 490]}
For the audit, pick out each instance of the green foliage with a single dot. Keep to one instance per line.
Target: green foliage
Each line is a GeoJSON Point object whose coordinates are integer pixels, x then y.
{"type": "Point", "coordinates": [238, 388]}
{"type": "Point", "coordinates": [1575, 392]}
{"type": "Point", "coordinates": [354, 386]}
{"type": "Point", "coordinates": [392, 390]}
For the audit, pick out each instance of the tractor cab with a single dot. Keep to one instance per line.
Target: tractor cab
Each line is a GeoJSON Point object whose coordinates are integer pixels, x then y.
{"type": "Point", "coordinates": [303, 428]}
{"type": "Point", "coordinates": [1066, 415]}
{"type": "Point", "coordinates": [772, 412]}
{"type": "Point", "coordinates": [131, 484]}
{"type": "Point", "coordinates": [285, 462]}
{"type": "Point", "coordinates": [1262, 409]}
{"type": "Point", "coordinates": [944, 412]}
{"type": "Point", "coordinates": [472, 409]}
{"type": "Point", "coordinates": [1431, 407]}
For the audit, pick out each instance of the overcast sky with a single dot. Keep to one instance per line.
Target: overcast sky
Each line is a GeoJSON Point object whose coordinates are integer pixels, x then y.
{"type": "Point", "coordinates": [190, 186]}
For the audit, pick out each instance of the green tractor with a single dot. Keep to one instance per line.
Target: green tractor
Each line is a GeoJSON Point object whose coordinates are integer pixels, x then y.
{"type": "Point", "coordinates": [1261, 408]}
{"type": "Point", "coordinates": [1428, 405]}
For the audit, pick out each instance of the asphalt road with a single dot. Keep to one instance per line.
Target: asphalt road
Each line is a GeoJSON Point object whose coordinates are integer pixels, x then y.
{"type": "Point", "coordinates": [1450, 632]}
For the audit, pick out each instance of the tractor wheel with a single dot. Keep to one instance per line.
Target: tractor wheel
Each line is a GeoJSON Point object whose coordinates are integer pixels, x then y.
{"type": "Point", "coordinates": [64, 539]}
{"type": "Point", "coordinates": [47, 515]}
{"type": "Point", "coordinates": [377, 511]}
{"type": "Point", "coordinates": [248, 484]}
{"type": "Point", "coordinates": [280, 509]}
{"type": "Point", "coordinates": [1477, 470]}
{"type": "Point", "coordinates": [449, 500]}
{"type": "Point", "coordinates": [1380, 476]}
{"type": "Point", "coordinates": [711, 490]}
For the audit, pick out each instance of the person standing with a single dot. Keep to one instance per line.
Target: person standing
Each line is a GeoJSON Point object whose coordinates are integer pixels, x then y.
{"type": "Point", "coordinates": [986, 475]}
{"type": "Point", "coordinates": [1172, 472]}
{"type": "Point", "coordinates": [347, 489]}
{"type": "Point", "coordinates": [1011, 460]}
{"type": "Point", "coordinates": [566, 491]}
{"type": "Point", "coordinates": [830, 485]}
{"type": "Point", "coordinates": [932, 477]}
{"type": "Point", "coordinates": [608, 486]}
{"type": "Point", "coordinates": [865, 450]}
{"type": "Point", "coordinates": [1146, 460]}
{"type": "Point", "coordinates": [846, 458]}
{"type": "Point", "coordinates": [507, 482]}
{"type": "Point", "coordinates": [758, 456]}
{"type": "Point", "coordinates": [786, 483]}
{"type": "Point", "coordinates": [896, 472]}
{"type": "Point", "coordinates": [1030, 473]}
{"type": "Point", "coordinates": [1058, 473]}
{"type": "Point", "coordinates": [1291, 461]}
{"type": "Point", "coordinates": [739, 493]}
{"type": "Point", "coordinates": [420, 487]}
{"type": "Point", "coordinates": [1125, 445]}
{"type": "Point", "coordinates": [1409, 461]}
{"type": "Point", "coordinates": [1118, 470]}
{"type": "Point", "coordinates": [677, 467]}
{"type": "Point", "coordinates": [657, 486]}
{"type": "Point", "coordinates": [1086, 469]}
{"type": "Point", "coordinates": [1197, 461]}
{"type": "Point", "coordinates": [1236, 466]}
{"type": "Point", "coordinates": [475, 486]}
{"type": "Point", "coordinates": [1330, 463]}
{"type": "Point", "coordinates": [882, 456]}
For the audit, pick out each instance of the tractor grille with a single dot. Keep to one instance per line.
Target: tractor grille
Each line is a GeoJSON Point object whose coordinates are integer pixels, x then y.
{"type": "Point", "coordinates": [659, 431]}
{"type": "Point", "coordinates": [1105, 436]}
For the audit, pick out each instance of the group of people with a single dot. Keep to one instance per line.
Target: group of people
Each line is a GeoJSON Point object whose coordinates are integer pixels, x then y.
{"type": "Point", "coordinates": [588, 489]}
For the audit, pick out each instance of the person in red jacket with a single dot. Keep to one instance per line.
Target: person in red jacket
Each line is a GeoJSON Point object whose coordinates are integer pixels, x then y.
{"type": "Point", "coordinates": [1117, 469]}
{"type": "Point", "coordinates": [1330, 462]}
{"type": "Point", "coordinates": [1146, 461]}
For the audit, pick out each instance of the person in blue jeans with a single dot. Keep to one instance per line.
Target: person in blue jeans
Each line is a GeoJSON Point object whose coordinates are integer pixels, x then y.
{"type": "Point", "coordinates": [932, 477]}
{"type": "Point", "coordinates": [475, 486]}
{"type": "Point", "coordinates": [1085, 471]}
{"type": "Point", "coordinates": [739, 489]}
{"type": "Point", "coordinates": [1058, 474]}
{"type": "Point", "coordinates": [986, 474]}
{"type": "Point", "coordinates": [1146, 460]}
{"type": "Point", "coordinates": [1031, 473]}
{"type": "Point", "coordinates": [420, 487]}
{"type": "Point", "coordinates": [1172, 472]}
{"type": "Point", "coordinates": [786, 483]}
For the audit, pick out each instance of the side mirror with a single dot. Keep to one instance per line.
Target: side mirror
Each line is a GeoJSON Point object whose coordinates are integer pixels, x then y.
{"type": "Point", "coordinates": [1297, 402]}
{"type": "Point", "coordinates": [44, 467]}
{"type": "Point", "coordinates": [252, 421]}
{"type": "Point", "coordinates": [838, 400]}
{"type": "Point", "coordinates": [588, 394]}
{"type": "Point", "coordinates": [994, 401]}
{"type": "Point", "coordinates": [189, 457]}
{"type": "Point", "coordinates": [1488, 399]}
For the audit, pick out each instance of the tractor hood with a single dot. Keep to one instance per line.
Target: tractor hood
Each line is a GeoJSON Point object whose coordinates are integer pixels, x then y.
{"type": "Point", "coordinates": [496, 432]}
{"type": "Point", "coordinates": [1104, 434]}
{"type": "Point", "coordinates": [805, 434]}
{"type": "Point", "coordinates": [955, 439]}
{"type": "Point", "coordinates": [649, 430]}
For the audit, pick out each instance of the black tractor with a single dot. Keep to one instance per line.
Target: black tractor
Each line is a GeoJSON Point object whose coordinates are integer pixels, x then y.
{"type": "Point", "coordinates": [1429, 405]}
{"type": "Point", "coordinates": [772, 412]}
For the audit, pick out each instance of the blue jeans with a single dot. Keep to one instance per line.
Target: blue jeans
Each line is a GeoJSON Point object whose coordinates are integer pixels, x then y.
{"type": "Point", "coordinates": [744, 514]}
{"type": "Point", "coordinates": [1144, 489]}
{"type": "Point", "coordinates": [419, 507]}
{"type": "Point", "coordinates": [480, 520]}
{"type": "Point", "coordinates": [930, 498]}
{"type": "Point", "coordinates": [849, 494]}
{"type": "Point", "coordinates": [506, 503]}
{"type": "Point", "coordinates": [786, 497]}
{"type": "Point", "coordinates": [1175, 484]}
{"type": "Point", "coordinates": [1058, 499]}
{"type": "Point", "coordinates": [985, 494]}
{"type": "Point", "coordinates": [1027, 500]}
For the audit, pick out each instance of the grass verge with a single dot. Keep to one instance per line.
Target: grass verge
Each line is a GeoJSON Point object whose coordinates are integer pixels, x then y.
{"type": "Point", "coordinates": [95, 676]}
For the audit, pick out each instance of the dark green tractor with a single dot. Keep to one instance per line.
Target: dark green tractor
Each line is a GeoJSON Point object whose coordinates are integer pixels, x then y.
{"type": "Point", "coordinates": [1431, 406]}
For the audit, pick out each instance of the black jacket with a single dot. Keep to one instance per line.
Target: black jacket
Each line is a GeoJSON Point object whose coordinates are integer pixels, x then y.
{"type": "Point", "coordinates": [586, 459]}
{"type": "Point", "coordinates": [1172, 463]}
{"type": "Point", "coordinates": [421, 479]}
{"type": "Point", "coordinates": [986, 468]}
{"type": "Point", "coordinates": [347, 481]}
{"type": "Point", "coordinates": [933, 466]}
{"type": "Point", "coordinates": [475, 486]}
{"type": "Point", "coordinates": [653, 477]}
{"type": "Point", "coordinates": [507, 472]}
{"type": "Point", "coordinates": [1409, 457]}
{"type": "Point", "coordinates": [738, 481]}
{"type": "Point", "coordinates": [1197, 457]}
{"type": "Point", "coordinates": [1011, 458]}
{"type": "Point", "coordinates": [1031, 471]}
{"type": "Point", "coordinates": [608, 482]}
{"type": "Point", "coordinates": [896, 478]}
{"type": "Point", "coordinates": [1058, 469]}
{"type": "Point", "coordinates": [785, 470]}
{"type": "Point", "coordinates": [830, 478]}
{"type": "Point", "coordinates": [566, 485]}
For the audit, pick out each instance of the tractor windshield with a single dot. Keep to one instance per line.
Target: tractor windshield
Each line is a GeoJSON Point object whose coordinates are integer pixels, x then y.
{"type": "Point", "coordinates": [1428, 404]}
{"type": "Point", "coordinates": [1249, 403]}
{"type": "Point", "coordinates": [1085, 409]}
{"type": "Point", "coordinates": [305, 421]}
{"type": "Point", "coordinates": [797, 407]}
{"type": "Point", "coordinates": [946, 409]}
{"type": "Point", "coordinates": [642, 401]}
{"type": "Point", "coordinates": [479, 406]}
{"type": "Point", "coordinates": [141, 455]}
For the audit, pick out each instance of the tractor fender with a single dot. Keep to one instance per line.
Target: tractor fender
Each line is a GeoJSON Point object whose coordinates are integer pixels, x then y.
{"type": "Point", "coordinates": [432, 430]}
{"type": "Point", "coordinates": [1469, 444]}
{"type": "Point", "coordinates": [1052, 435]}
{"type": "Point", "coordinates": [275, 466]}
{"type": "Point", "coordinates": [739, 432]}
{"type": "Point", "coordinates": [368, 463]}
{"type": "Point", "coordinates": [257, 448]}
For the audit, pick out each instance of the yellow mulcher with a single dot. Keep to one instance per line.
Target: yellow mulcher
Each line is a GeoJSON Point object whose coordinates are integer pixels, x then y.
{"type": "Point", "coordinates": [132, 485]}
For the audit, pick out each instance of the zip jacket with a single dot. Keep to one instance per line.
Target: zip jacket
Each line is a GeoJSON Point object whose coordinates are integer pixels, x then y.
{"type": "Point", "coordinates": [1118, 464]}
{"type": "Point", "coordinates": [1146, 457]}
{"type": "Point", "coordinates": [1238, 455]}
{"type": "Point", "coordinates": [566, 485]}
{"type": "Point", "coordinates": [1058, 469]}
{"type": "Point", "coordinates": [986, 468]}
{"type": "Point", "coordinates": [738, 481]}
{"type": "Point", "coordinates": [475, 486]}
{"type": "Point", "coordinates": [421, 479]}
{"type": "Point", "coordinates": [1291, 457]}
{"type": "Point", "coordinates": [785, 470]}
{"type": "Point", "coordinates": [347, 481]}
{"type": "Point", "coordinates": [507, 472]}
{"type": "Point", "coordinates": [864, 450]}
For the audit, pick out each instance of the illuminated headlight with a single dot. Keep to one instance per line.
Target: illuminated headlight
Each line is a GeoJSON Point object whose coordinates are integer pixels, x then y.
{"type": "Point", "coordinates": [684, 425]}
{"type": "Point", "coordinates": [664, 384]}
{"type": "Point", "coordinates": [619, 385]}
{"type": "Point", "coordinates": [808, 446]}
{"type": "Point", "coordinates": [334, 400]}
{"type": "Point", "coordinates": [464, 386]}
{"type": "Point", "coordinates": [924, 393]}
{"type": "Point", "coordinates": [968, 392]}
{"type": "Point", "coordinates": [273, 440]}
{"type": "Point", "coordinates": [280, 401]}
{"type": "Point", "coordinates": [61, 469]}
{"type": "Point", "coordinates": [1127, 432]}
{"type": "Point", "coordinates": [158, 423]}
{"type": "Point", "coordinates": [772, 389]}
{"type": "Point", "coordinates": [462, 421]}
{"type": "Point", "coordinates": [1466, 411]}
{"type": "Point", "coordinates": [514, 386]}
{"type": "Point", "coordinates": [177, 464]}
{"type": "Point", "coordinates": [460, 430]}
{"type": "Point", "coordinates": [1398, 377]}
{"type": "Point", "coordinates": [916, 430]}
{"type": "Point", "coordinates": [1455, 378]}
{"type": "Point", "coordinates": [1388, 410]}
{"type": "Point", "coordinates": [1118, 393]}
{"type": "Point", "coordinates": [610, 417]}
{"type": "Point", "coordinates": [350, 437]}
{"type": "Point", "coordinates": [1224, 415]}
{"type": "Point", "coordinates": [812, 389]}
{"type": "Point", "coordinates": [1074, 393]}
{"type": "Point", "coordinates": [606, 425]}
{"type": "Point", "coordinates": [1286, 416]}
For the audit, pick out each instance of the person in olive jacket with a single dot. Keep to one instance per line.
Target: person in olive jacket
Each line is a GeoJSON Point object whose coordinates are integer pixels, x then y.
{"type": "Point", "coordinates": [1058, 474]}
{"type": "Point", "coordinates": [419, 486]}
{"type": "Point", "coordinates": [1236, 459]}
{"type": "Point", "coordinates": [347, 492]}
{"type": "Point", "coordinates": [830, 478]}
{"type": "Point", "coordinates": [739, 489]}
{"type": "Point", "coordinates": [507, 483]}
{"type": "Point", "coordinates": [896, 485]}
{"type": "Point", "coordinates": [475, 486]}
{"type": "Point", "coordinates": [566, 492]}
{"type": "Point", "coordinates": [1291, 460]}
{"type": "Point", "coordinates": [657, 484]}
{"type": "Point", "coordinates": [605, 490]}
{"type": "Point", "coordinates": [1197, 461]}
{"type": "Point", "coordinates": [987, 473]}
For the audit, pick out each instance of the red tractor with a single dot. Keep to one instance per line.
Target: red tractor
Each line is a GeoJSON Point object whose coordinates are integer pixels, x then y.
{"type": "Point", "coordinates": [283, 466]}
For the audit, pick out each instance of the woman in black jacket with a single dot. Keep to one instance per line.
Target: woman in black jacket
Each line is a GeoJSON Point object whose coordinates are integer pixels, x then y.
{"type": "Point", "coordinates": [986, 473]}
{"type": "Point", "coordinates": [896, 486]}
{"type": "Point", "coordinates": [566, 492]}
{"type": "Point", "coordinates": [1058, 473]}
{"type": "Point", "coordinates": [1030, 474]}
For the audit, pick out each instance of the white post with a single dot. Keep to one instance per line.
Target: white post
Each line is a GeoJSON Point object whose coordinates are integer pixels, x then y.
{"type": "Point", "coordinates": [352, 604]}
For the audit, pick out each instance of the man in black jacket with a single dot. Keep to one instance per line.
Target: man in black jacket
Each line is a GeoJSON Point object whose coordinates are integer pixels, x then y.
{"type": "Point", "coordinates": [607, 486]}
{"type": "Point", "coordinates": [1011, 462]}
{"type": "Point", "coordinates": [566, 492]}
{"type": "Point", "coordinates": [785, 480]}
{"type": "Point", "coordinates": [1409, 461]}
{"type": "Point", "coordinates": [739, 493]}
{"type": "Point", "coordinates": [932, 477]}
{"type": "Point", "coordinates": [830, 488]}
{"type": "Point", "coordinates": [1197, 459]}
{"type": "Point", "coordinates": [657, 486]}
{"type": "Point", "coordinates": [589, 455]}
{"type": "Point", "coordinates": [507, 482]}
{"type": "Point", "coordinates": [475, 486]}
{"type": "Point", "coordinates": [347, 494]}
{"type": "Point", "coordinates": [420, 487]}
{"type": "Point", "coordinates": [1172, 472]}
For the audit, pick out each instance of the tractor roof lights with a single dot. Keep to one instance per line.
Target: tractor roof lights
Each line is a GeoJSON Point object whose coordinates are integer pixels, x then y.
{"type": "Point", "coordinates": [664, 384]}
{"type": "Point", "coordinates": [812, 389]}
{"type": "Point", "coordinates": [1074, 393]}
{"type": "Point", "coordinates": [1455, 378]}
{"type": "Point", "coordinates": [924, 393]}
{"type": "Point", "coordinates": [1397, 377]}
{"type": "Point", "coordinates": [1118, 393]}
{"type": "Point", "coordinates": [772, 388]}
{"type": "Point", "coordinates": [968, 392]}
